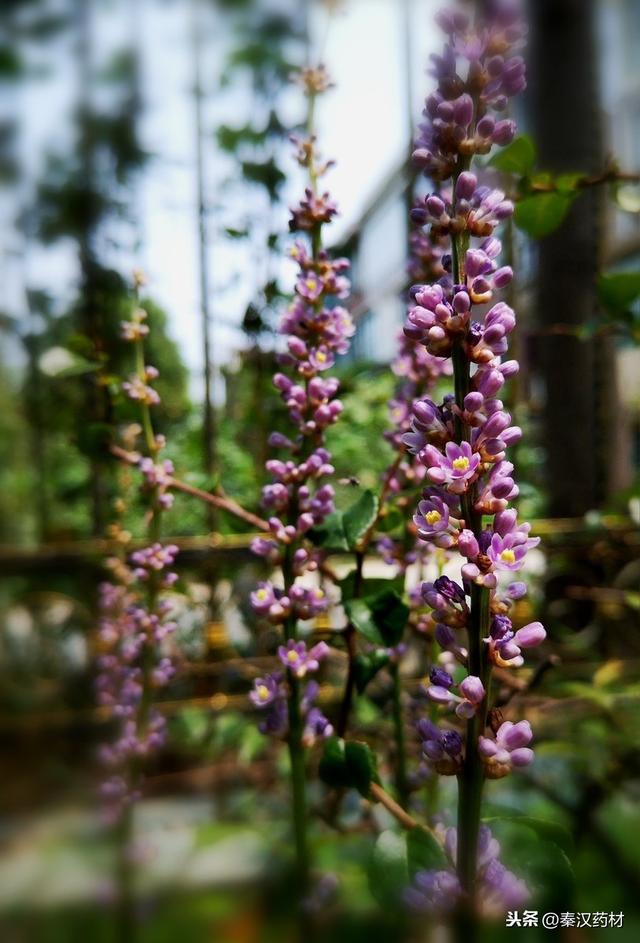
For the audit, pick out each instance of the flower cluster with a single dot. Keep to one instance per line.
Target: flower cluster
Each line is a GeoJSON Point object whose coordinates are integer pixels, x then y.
{"type": "Point", "coordinates": [418, 372]}
{"type": "Point", "coordinates": [462, 443]}
{"type": "Point", "coordinates": [508, 749]}
{"type": "Point", "coordinates": [315, 329]}
{"type": "Point", "coordinates": [157, 477]}
{"type": "Point", "coordinates": [270, 694]}
{"type": "Point", "coordinates": [133, 662]}
{"type": "Point", "coordinates": [138, 387]}
{"type": "Point", "coordinates": [462, 116]}
{"type": "Point", "coordinates": [134, 631]}
{"type": "Point", "coordinates": [426, 253]}
{"type": "Point", "coordinates": [499, 889]}
{"type": "Point", "coordinates": [466, 703]}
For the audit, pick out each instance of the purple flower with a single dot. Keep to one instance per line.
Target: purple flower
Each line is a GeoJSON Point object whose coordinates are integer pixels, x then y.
{"type": "Point", "coordinates": [439, 891]}
{"type": "Point", "coordinates": [433, 521]}
{"type": "Point", "coordinates": [433, 891]}
{"type": "Point", "coordinates": [505, 645]}
{"type": "Point", "coordinates": [441, 747]}
{"type": "Point", "coordinates": [508, 552]}
{"type": "Point", "coordinates": [440, 677]}
{"type": "Point", "coordinates": [265, 690]}
{"type": "Point", "coordinates": [316, 727]}
{"type": "Point", "coordinates": [509, 749]}
{"type": "Point", "coordinates": [456, 468]}
{"type": "Point", "coordinates": [263, 598]}
{"type": "Point", "coordinates": [472, 694]}
{"type": "Point", "coordinates": [295, 657]}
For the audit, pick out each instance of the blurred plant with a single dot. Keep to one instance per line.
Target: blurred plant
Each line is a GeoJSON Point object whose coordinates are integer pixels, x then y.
{"type": "Point", "coordinates": [134, 627]}
{"type": "Point", "coordinates": [79, 198]}
{"type": "Point", "coordinates": [300, 498]}
{"type": "Point", "coordinates": [269, 42]}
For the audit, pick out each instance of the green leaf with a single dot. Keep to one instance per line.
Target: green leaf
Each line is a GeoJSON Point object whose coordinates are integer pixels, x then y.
{"type": "Point", "coordinates": [60, 362]}
{"type": "Point", "coordinates": [359, 517]}
{"type": "Point", "coordinates": [390, 614]}
{"type": "Point", "coordinates": [518, 157]}
{"type": "Point", "coordinates": [330, 534]}
{"type": "Point", "coordinates": [567, 183]}
{"type": "Point", "coordinates": [391, 519]}
{"type": "Point", "coordinates": [588, 329]}
{"type": "Point", "coordinates": [544, 829]}
{"type": "Point", "coordinates": [93, 438]}
{"type": "Point", "coordinates": [333, 766]}
{"type": "Point", "coordinates": [366, 667]}
{"type": "Point", "coordinates": [424, 852]}
{"type": "Point", "coordinates": [369, 587]}
{"type": "Point", "coordinates": [360, 616]}
{"type": "Point", "coordinates": [381, 619]}
{"type": "Point", "coordinates": [543, 864]}
{"type": "Point", "coordinates": [11, 65]}
{"type": "Point", "coordinates": [618, 290]}
{"type": "Point", "coordinates": [348, 766]}
{"type": "Point", "coordinates": [266, 173]}
{"type": "Point", "coordinates": [190, 726]}
{"type": "Point", "coordinates": [541, 214]}
{"type": "Point", "coordinates": [542, 178]}
{"type": "Point", "coordinates": [361, 766]}
{"type": "Point", "coordinates": [388, 870]}
{"type": "Point", "coordinates": [236, 233]}
{"type": "Point", "coordinates": [632, 600]}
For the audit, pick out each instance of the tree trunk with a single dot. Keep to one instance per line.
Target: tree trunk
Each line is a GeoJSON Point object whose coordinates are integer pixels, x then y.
{"type": "Point", "coordinates": [578, 376]}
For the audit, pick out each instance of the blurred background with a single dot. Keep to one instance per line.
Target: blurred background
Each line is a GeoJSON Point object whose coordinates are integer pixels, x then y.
{"type": "Point", "coordinates": [154, 135]}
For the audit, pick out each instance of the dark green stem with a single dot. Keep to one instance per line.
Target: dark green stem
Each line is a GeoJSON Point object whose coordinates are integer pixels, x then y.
{"type": "Point", "coordinates": [398, 726]}
{"type": "Point", "coordinates": [126, 911]}
{"type": "Point", "coordinates": [471, 777]}
{"type": "Point", "coordinates": [350, 641]}
{"type": "Point", "coordinates": [298, 787]}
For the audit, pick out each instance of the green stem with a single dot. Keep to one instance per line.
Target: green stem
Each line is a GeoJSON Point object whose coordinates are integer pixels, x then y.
{"type": "Point", "coordinates": [398, 726]}
{"type": "Point", "coordinates": [145, 412]}
{"type": "Point", "coordinates": [350, 638]}
{"type": "Point", "coordinates": [126, 910]}
{"type": "Point", "coordinates": [471, 776]}
{"type": "Point", "coordinates": [298, 787]}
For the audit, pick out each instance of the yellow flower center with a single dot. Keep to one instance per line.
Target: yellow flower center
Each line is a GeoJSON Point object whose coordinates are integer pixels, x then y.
{"type": "Point", "coordinates": [461, 464]}
{"type": "Point", "coordinates": [433, 517]}
{"type": "Point", "coordinates": [321, 357]}
{"type": "Point", "coordinates": [292, 656]}
{"type": "Point", "coordinates": [311, 284]}
{"type": "Point", "coordinates": [263, 692]}
{"type": "Point", "coordinates": [508, 556]}
{"type": "Point", "coordinates": [261, 595]}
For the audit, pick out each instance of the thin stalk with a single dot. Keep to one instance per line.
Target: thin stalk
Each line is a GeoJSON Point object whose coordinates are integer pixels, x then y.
{"type": "Point", "coordinates": [209, 416]}
{"type": "Point", "coordinates": [126, 910]}
{"type": "Point", "coordinates": [298, 787]}
{"type": "Point", "coordinates": [471, 776]}
{"type": "Point", "coordinates": [398, 728]}
{"type": "Point", "coordinates": [295, 744]}
{"type": "Point", "coordinates": [124, 833]}
{"type": "Point", "coordinates": [352, 650]}
{"type": "Point", "coordinates": [219, 501]}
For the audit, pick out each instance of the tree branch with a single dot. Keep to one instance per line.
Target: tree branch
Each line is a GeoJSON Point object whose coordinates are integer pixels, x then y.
{"type": "Point", "coordinates": [218, 501]}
